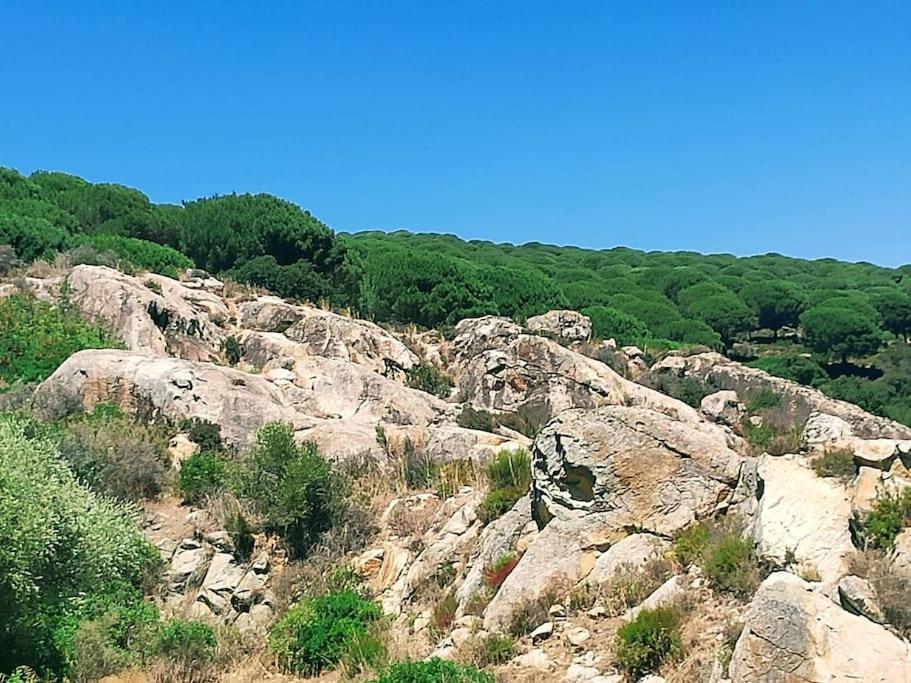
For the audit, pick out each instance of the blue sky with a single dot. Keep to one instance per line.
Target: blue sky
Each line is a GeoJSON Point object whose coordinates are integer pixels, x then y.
{"type": "Point", "coordinates": [740, 127]}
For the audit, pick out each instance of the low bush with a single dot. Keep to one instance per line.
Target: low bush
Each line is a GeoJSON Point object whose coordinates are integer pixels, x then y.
{"type": "Point", "coordinates": [233, 350]}
{"type": "Point", "coordinates": [205, 434]}
{"type": "Point", "coordinates": [767, 437]}
{"type": "Point", "coordinates": [61, 543]}
{"type": "Point", "coordinates": [531, 614]}
{"type": "Point", "coordinates": [139, 254]}
{"type": "Point", "coordinates": [187, 642]}
{"type": "Point", "coordinates": [763, 399]}
{"type": "Point", "coordinates": [317, 633]}
{"type": "Point", "coordinates": [838, 464]}
{"type": "Point", "coordinates": [366, 651]}
{"type": "Point", "coordinates": [891, 512]}
{"type": "Point", "coordinates": [648, 641]}
{"type": "Point", "coordinates": [489, 650]}
{"type": "Point", "coordinates": [116, 456]}
{"type": "Point", "coordinates": [892, 587]}
{"type": "Point", "coordinates": [35, 338]}
{"type": "Point", "coordinates": [497, 571]}
{"type": "Point", "coordinates": [509, 476]}
{"type": "Point", "coordinates": [453, 475]}
{"type": "Point", "coordinates": [433, 670]}
{"type": "Point", "coordinates": [201, 474]}
{"type": "Point", "coordinates": [725, 556]}
{"type": "Point", "coordinates": [431, 379]}
{"type": "Point", "coordinates": [293, 487]}
{"type": "Point", "coordinates": [795, 368]}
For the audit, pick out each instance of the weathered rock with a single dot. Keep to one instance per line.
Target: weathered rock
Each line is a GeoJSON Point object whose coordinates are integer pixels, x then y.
{"type": "Point", "coordinates": [542, 632]}
{"type": "Point", "coordinates": [858, 597]}
{"type": "Point", "coordinates": [268, 314]}
{"type": "Point", "coordinates": [577, 637]}
{"type": "Point", "coordinates": [879, 453]}
{"type": "Point", "coordinates": [723, 407]}
{"type": "Point", "coordinates": [634, 468]}
{"type": "Point", "coordinates": [629, 554]}
{"type": "Point", "coordinates": [667, 593]}
{"type": "Point", "coordinates": [901, 552]}
{"type": "Point", "coordinates": [176, 389]}
{"type": "Point", "coordinates": [822, 429]}
{"type": "Point", "coordinates": [802, 516]}
{"type": "Point", "coordinates": [568, 325]}
{"type": "Point", "coordinates": [800, 401]}
{"type": "Point", "coordinates": [535, 659]}
{"type": "Point", "coordinates": [793, 633]}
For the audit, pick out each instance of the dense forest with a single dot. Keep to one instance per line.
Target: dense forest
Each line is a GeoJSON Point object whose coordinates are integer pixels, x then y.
{"type": "Point", "coordinates": [842, 327]}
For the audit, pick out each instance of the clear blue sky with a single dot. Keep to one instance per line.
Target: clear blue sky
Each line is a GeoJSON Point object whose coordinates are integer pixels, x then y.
{"type": "Point", "coordinates": [741, 127]}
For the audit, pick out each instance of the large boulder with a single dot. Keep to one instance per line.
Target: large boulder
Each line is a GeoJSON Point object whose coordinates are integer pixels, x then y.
{"type": "Point", "coordinates": [802, 518]}
{"type": "Point", "coordinates": [793, 633]}
{"type": "Point", "coordinates": [798, 400]}
{"type": "Point", "coordinates": [150, 313]}
{"type": "Point", "coordinates": [635, 468]}
{"type": "Point", "coordinates": [149, 386]}
{"type": "Point", "coordinates": [567, 325]}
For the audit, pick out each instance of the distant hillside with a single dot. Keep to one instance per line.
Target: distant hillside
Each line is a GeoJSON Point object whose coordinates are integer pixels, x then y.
{"type": "Point", "coordinates": [828, 323]}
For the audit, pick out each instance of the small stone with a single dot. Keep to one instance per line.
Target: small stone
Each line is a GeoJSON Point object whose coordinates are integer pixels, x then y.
{"type": "Point", "coordinates": [460, 636]}
{"type": "Point", "coordinates": [534, 659]}
{"type": "Point", "coordinates": [578, 636]}
{"type": "Point", "coordinates": [557, 611]}
{"type": "Point", "coordinates": [543, 632]}
{"type": "Point", "coordinates": [420, 624]}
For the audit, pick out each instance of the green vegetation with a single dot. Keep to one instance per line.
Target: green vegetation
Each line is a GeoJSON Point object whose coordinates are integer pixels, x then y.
{"type": "Point", "coordinates": [35, 338]}
{"type": "Point", "coordinates": [428, 377]}
{"type": "Point", "coordinates": [725, 556]}
{"type": "Point", "coordinates": [186, 642]}
{"type": "Point", "coordinates": [509, 476]}
{"type": "Point", "coordinates": [138, 255]}
{"type": "Point", "coordinates": [292, 486]}
{"type": "Point", "coordinates": [838, 464]}
{"type": "Point", "coordinates": [432, 671]}
{"type": "Point", "coordinates": [649, 640]}
{"type": "Point", "coordinates": [890, 514]}
{"type": "Point", "coordinates": [201, 474]}
{"type": "Point", "coordinates": [68, 555]}
{"type": "Point", "coordinates": [489, 650]}
{"type": "Point", "coordinates": [495, 574]}
{"type": "Point", "coordinates": [318, 632]}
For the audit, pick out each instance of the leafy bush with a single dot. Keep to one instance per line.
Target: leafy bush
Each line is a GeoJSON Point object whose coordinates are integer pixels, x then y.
{"type": "Point", "coordinates": [433, 670]}
{"type": "Point", "coordinates": [35, 338]}
{"type": "Point", "coordinates": [762, 400]}
{"type": "Point", "coordinates": [186, 642]}
{"type": "Point", "coordinates": [292, 486]}
{"type": "Point", "coordinates": [139, 254]}
{"type": "Point", "coordinates": [727, 559]}
{"type": "Point", "coordinates": [316, 633]}
{"type": "Point", "coordinates": [890, 514]}
{"type": "Point", "coordinates": [495, 574]}
{"type": "Point", "coordinates": [628, 587]}
{"type": "Point", "coordinates": [649, 640]}
{"type": "Point", "coordinates": [116, 456]}
{"type": "Point", "coordinates": [795, 368]}
{"type": "Point", "coordinates": [233, 350]}
{"type": "Point", "coordinates": [509, 476]}
{"type": "Point", "coordinates": [205, 434]}
{"type": "Point", "coordinates": [202, 473]}
{"type": "Point", "coordinates": [431, 379]}
{"type": "Point", "coordinates": [838, 464]}
{"type": "Point", "coordinates": [61, 541]}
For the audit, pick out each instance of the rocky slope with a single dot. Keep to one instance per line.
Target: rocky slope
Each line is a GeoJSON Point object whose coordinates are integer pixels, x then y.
{"type": "Point", "coordinates": [618, 471]}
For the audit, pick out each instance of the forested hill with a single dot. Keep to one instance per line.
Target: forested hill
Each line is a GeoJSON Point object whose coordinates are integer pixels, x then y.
{"type": "Point", "coordinates": [853, 319]}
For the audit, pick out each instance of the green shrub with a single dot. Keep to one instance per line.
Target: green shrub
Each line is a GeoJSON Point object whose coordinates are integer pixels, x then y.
{"type": "Point", "coordinates": [430, 378]}
{"type": "Point", "coordinates": [509, 476]}
{"type": "Point", "coordinates": [727, 559]}
{"type": "Point", "coordinates": [60, 541]}
{"type": "Point", "coordinates": [292, 486]}
{"type": "Point", "coordinates": [317, 633]}
{"type": "Point", "coordinates": [116, 456]}
{"type": "Point", "coordinates": [795, 368]}
{"type": "Point", "coordinates": [433, 670]}
{"type": "Point", "coordinates": [838, 464]}
{"type": "Point", "coordinates": [489, 650]}
{"type": "Point", "coordinates": [649, 640]}
{"type": "Point", "coordinates": [762, 400]}
{"type": "Point", "coordinates": [205, 434]}
{"type": "Point", "coordinates": [202, 473]}
{"type": "Point", "coordinates": [139, 254]}
{"type": "Point", "coordinates": [35, 338]}
{"type": "Point", "coordinates": [366, 651]}
{"type": "Point", "coordinates": [187, 642]}
{"type": "Point", "coordinates": [690, 544]}
{"type": "Point", "coordinates": [890, 514]}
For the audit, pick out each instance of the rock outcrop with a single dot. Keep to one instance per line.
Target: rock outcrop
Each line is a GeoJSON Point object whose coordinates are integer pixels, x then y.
{"type": "Point", "coordinates": [566, 325]}
{"type": "Point", "coordinates": [794, 633]}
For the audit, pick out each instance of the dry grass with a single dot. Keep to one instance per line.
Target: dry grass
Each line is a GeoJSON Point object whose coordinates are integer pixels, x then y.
{"type": "Point", "coordinates": [893, 588]}
{"type": "Point", "coordinates": [627, 588]}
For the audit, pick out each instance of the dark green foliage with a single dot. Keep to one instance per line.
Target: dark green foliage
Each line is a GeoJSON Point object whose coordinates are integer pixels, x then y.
{"type": "Point", "coordinates": [509, 476]}
{"type": "Point", "coordinates": [762, 400]}
{"type": "Point", "coordinates": [724, 313]}
{"type": "Point", "coordinates": [649, 640]}
{"type": "Point", "coordinates": [725, 556]}
{"type": "Point", "coordinates": [491, 650]}
{"type": "Point", "coordinates": [894, 307]}
{"type": "Point", "coordinates": [298, 280]}
{"type": "Point", "coordinates": [795, 368]}
{"type": "Point", "coordinates": [187, 642]}
{"type": "Point", "coordinates": [840, 333]}
{"type": "Point", "coordinates": [233, 350]}
{"type": "Point", "coordinates": [838, 464]}
{"type": "Point", "coordinates": [890, 514]}
{"type": "Point", "coordinates": [775, 303]}
{"type": "Point", "coordinates": [201, 474]}
{"type": "Point", "coordinates": [36, 337]}
{"type": "Point", "coordinates": [610, 323]}
{"type": "Point", "coordinates": [139, 255]}
{"type": "Point", "coordinates": [874, 397]}
{"type": "Point", "coordinates": [30, 236]}
{"type": "Point", "coordinates": [292, 486]}
{"type": "Point", "coordinates": [430, 378]}
{"type": "Point", "coordinates": [317, 633]}
{"type": "Point", "coordinates": [205, 434]}
{"type": "Point", "coordinates": [432, 671]}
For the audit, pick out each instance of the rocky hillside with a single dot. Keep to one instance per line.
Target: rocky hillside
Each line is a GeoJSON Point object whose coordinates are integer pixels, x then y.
{"type": "Point", "coordinates": [756, 532]}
